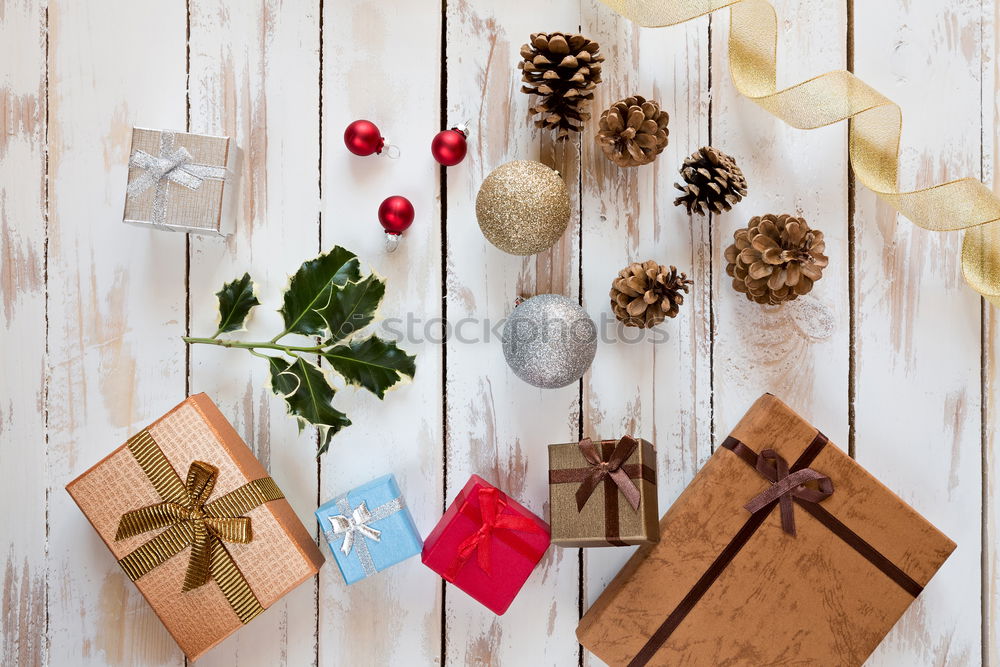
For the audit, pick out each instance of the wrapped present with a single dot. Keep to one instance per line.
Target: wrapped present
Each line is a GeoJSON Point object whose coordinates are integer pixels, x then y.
{"type": "Point", "coordinates": [369, 529]}
{"type": "Point", "coordinates": [486, 544]}
{"type": "Point", "coordinates": [197, 524]}
{"type": "Point", "coordinates": [783, 550]}
{"type": "Point", "coordinates": [181, 182]}
{"type": "Point", "coordinates": [603, 493]}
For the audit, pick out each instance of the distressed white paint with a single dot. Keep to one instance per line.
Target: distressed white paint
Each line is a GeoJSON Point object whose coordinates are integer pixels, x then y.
{"type": "Point", "coordinates": [255, 77]}
{"type": "Point", "coordinates": [369, 72]}
{"type": "Point", "coordinates": [107, 303]}
{"type": "Point", "coordinates": [918, 402]}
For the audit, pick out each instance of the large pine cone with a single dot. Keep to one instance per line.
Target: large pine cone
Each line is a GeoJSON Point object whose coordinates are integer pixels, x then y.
{"type": "Point", "coordinates": [713, 182]}
{"type": "Point", "coordinates": [643, 295]}
{"type": "Point", "coordinates": [776, 258]}
{"type": "Point", "coordinates": [633, 131]}
{"type": "Point", "coordinates": [563, 70]}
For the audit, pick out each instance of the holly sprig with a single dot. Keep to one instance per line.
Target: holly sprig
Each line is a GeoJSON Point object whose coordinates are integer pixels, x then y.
{"type": "Point", "coordinates": [329, 301]}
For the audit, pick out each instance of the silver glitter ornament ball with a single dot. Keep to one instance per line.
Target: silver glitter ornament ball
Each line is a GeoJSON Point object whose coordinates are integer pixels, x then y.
{"type": "Point", "coordinates": [523, 207]}
{"type": "Point", "coordinates": [549, 341]}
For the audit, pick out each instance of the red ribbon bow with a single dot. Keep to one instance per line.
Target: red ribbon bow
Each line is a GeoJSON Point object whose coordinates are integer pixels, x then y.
{"type": "Point", "coordinates": [785, 486]}
{"type": "Point", "coordinates": [492, 503]}
{"type": "Point", "coordinates": [599, 469]}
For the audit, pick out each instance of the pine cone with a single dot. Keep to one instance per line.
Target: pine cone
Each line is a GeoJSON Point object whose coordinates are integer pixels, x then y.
{"type": "Point", "coordinates": [776, 258]}
{"type": "Point", "coordinates": [714, 182]}
{"type": "Point", "coordinates": [633, 131]}
{"type": "Point", "coordinates": [643, 295]}
{"type": "Point", "coordinates": [563, 70]}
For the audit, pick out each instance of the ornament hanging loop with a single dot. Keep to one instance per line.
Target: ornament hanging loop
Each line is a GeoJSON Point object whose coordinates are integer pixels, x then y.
{"type": "Point", "coordinates": [392, 151]}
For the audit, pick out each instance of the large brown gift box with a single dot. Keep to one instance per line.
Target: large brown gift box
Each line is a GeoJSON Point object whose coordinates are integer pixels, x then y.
{"type": "Point", "coordinates": [197, 524]}
{"type": "Point", "coordinates": [603, 493]}
{"type": "Point", "coordinates": [783, 550]}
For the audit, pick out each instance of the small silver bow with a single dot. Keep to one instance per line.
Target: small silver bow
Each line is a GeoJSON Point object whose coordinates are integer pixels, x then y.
{"type": "Point", "coordinates": [173, 164]}
{"type": "Point", "coordinates": [353, 526]}
{"type": "Point", "coordinates": [349, 526]}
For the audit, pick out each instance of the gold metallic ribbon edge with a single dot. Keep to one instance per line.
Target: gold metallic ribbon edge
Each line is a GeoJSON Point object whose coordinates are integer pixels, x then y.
{"type": "Point", "coordinates": [873, 134]}
{"type": "Point", "coordinates": [169, 486]}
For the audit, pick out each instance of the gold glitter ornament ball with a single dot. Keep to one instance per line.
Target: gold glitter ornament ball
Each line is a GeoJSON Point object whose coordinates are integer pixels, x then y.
{"type": "Point", "coordinates": [523, 207]}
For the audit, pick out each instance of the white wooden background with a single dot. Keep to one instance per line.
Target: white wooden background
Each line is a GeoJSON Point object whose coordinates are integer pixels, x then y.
{"type": "Point", "coordinates": [92, 311]}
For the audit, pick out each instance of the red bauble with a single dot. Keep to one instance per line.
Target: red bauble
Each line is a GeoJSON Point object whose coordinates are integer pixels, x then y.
{"type": "Point", "coordinates": [449, 146]}
{"type": "Point", "coordinates": [395, 214]}
{"type": "Point", "coordinates": [363, 138]}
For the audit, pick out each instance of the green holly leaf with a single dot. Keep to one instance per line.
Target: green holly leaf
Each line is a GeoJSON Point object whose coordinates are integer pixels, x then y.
{"type": "Point", "coordinates": [311, 289]}
{"type": "Point", "coordinates": [372, 363]}
{"type": "Point", "coordinates": [352, 307]}
{"type": "Point", "coordinates": [309, 396]}
{"type": "Point", "coordinates": [235, 301]}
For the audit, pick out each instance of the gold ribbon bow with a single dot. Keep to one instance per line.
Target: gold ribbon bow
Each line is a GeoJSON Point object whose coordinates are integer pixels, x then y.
{"type": "Point", "coordinates": [190, 520]}
{"type": "Point", "coordinates": [874, 132]}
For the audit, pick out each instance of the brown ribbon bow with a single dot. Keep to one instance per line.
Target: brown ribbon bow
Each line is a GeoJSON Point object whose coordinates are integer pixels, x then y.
{"type": "Point", "coordinates": [599, 469]}
{"type": "Point", "coordinates": [785, 486]}
{"type": "Point", "coordinates": [206, 522]}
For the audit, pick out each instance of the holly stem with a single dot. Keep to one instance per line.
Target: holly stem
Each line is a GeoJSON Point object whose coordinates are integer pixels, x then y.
{"type": "Point", "coordinates": [252, 345]}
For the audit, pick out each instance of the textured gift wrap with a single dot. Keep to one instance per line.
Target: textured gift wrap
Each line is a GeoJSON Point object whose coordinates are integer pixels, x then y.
{"type": "Point", "coordinates": [486, 544]}
{"type": "Point", "coordinates": [181, 182]}
{"type": "Point", "coordinates": [783, 550]}
{"type": "Point", "coordinates": [603, 493]}
{"type": "Point", "coordinates": [197, 524]}
{"type": "Point", "coordinates": [369, 529]}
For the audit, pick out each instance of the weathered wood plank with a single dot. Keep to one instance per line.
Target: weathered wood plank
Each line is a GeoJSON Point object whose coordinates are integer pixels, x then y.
{"type": "Point", "coordinates": [991, 339]}
{"type": "Point", "coordinates": [918, 379]}
{"type": "Point", "coordinates": [23, 210]}
{"type": "Point", "coordinates": [802, 173]}
{"type": "Point", "coordinates": [653, 384]}
{"type": "Point", "coordinates": [381, 63]}
{"type": "Point", "coordinates": [498, 426]}
{"type": "Point", "coordinates": [254, 76]}
{"type": "Point", "coordinates": [116, 304]}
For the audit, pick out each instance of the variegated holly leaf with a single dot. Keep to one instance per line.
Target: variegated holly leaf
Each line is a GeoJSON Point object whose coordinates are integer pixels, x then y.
{"type": "Point", "coordinates": [235, 301]}
{"type": "Point", "coordinates": [352, 307]}
{"type": "Point", "coordinates": [372, 363]}
{"type": "Point", "coordinates": [309, 396]}
{"type": "Point", "coordinates": [312, 287]}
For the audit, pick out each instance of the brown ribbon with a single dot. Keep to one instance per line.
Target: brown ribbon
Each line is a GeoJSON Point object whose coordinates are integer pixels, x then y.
{"type": "Point", "coordinates": [611, 468]}
{"type": "Point", "coordinates": [784, 486]}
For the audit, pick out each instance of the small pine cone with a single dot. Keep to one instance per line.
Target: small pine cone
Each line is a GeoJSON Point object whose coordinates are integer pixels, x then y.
{"type": "Point", "coordinates": [633, 131]}
{"type": "Point", "coordinates": [562, 69]}
{"type": "Point", "coordinates": [776, 258]}
{"type": "Point", "coordinates": [643, 295]}
{"type": "Point", "coordinates": [713, 182]}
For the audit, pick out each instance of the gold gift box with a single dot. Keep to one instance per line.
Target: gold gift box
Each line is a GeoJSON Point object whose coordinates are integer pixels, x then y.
{"type": "Point", "coordinates": [187, 473]}
{"type": "Point", "coordinates": [606, 518]}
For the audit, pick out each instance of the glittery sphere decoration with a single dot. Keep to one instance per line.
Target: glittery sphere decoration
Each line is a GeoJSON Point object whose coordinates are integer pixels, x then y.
{"type": "Point", "coordinates": [395, 214]}
{"type": "Point", "coordinates": [449, 147]}
{"type": "Point", "coordinates": [523, 207]}
{"type": "Point", "coordinates": [362, 138]}
{"type": "Point", "coordinates": [549, 341]}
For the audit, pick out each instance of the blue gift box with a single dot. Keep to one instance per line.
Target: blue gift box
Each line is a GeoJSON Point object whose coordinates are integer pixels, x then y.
{"type": "Point", "coordinates": [373, 525]}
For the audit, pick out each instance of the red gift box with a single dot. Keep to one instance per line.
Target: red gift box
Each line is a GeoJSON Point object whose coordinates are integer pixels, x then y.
{"type": "Point", "coordinates": [487, 544]}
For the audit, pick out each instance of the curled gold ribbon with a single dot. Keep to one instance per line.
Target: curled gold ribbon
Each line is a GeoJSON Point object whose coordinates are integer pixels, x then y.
{"type": "Point", "coordinates": [190, 520]}
{"type": "Point", "coordinates": [873, 134]}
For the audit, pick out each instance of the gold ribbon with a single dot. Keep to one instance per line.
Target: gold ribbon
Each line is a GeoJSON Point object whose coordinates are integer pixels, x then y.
{"type": "Point", "coordinates": [190, 520]}
{"type": "Point", "coordinates": [874, 132]}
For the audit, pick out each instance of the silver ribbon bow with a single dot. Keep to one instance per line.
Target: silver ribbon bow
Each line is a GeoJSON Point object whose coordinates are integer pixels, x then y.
{"type": "Point", "coordinates": [353, 527]}
{"type": "Point", "coordinates": [173, 164]}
